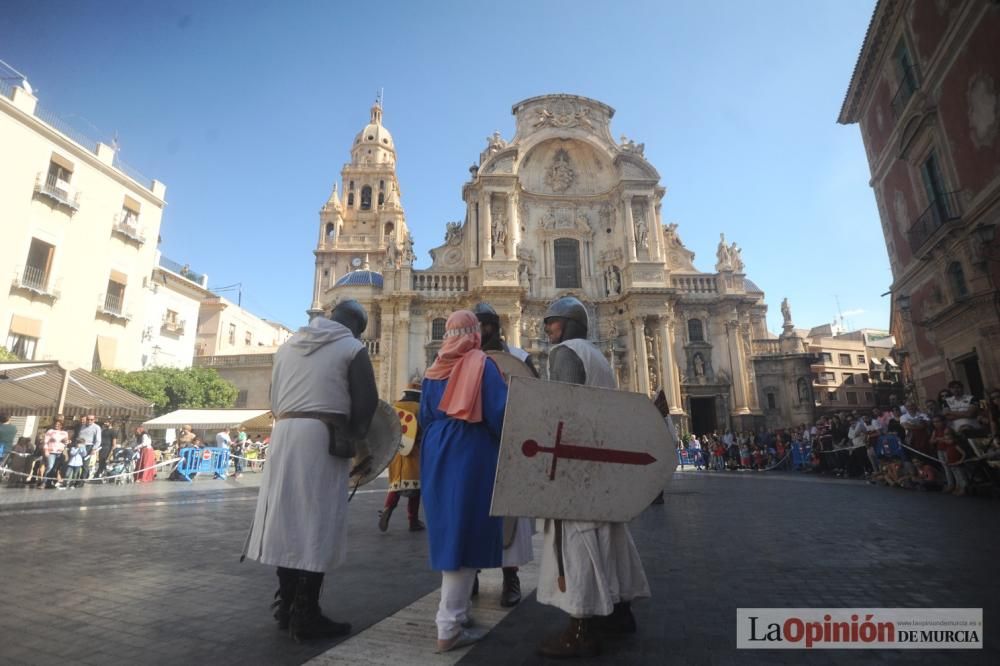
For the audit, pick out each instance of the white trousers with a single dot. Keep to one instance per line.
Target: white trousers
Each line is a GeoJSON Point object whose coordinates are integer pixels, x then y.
{"type": "Point", "coordinates": [456, 590]}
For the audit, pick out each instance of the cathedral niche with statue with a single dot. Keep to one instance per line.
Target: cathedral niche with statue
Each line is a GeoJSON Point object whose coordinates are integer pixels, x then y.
{"type": "Point", "coordinates": [561, 208]}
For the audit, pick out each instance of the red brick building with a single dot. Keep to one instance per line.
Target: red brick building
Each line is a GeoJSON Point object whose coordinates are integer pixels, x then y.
{"type": "Point", "coordinates": [926, 94]}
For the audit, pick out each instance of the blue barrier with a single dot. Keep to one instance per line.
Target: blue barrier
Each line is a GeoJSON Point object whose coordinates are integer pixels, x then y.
{"type": "Point", "coordinates": [690, 457]}
{"type": "Point", "coordinates": [801, 454]}
{"type": "Point", "coordinates": [213, 460]}
{"type": "Point", "coordinates": [888, 445]}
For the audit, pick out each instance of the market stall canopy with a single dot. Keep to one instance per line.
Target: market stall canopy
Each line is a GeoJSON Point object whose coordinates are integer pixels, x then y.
{"type": "Point", "coordinates": [207, 419]}
{"type": "Point", "coordinates": [36, 388]}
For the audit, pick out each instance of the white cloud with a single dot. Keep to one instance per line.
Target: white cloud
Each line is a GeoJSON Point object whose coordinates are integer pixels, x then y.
{"type": "Point", "coordinates": [853, 313]}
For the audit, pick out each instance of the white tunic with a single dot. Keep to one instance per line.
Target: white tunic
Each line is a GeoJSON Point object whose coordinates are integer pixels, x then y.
{"type": "Point", "coordinates": [600, 560]}
{"type": "Point", "coordinates": [301, 516]}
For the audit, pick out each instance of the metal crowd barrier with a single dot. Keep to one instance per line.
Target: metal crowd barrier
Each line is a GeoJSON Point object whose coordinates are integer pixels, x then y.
{"type": "Point", "coordinates": [210, 460]}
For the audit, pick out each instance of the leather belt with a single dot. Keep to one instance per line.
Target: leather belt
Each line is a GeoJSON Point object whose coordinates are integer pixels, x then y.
{"type": "Point", "coordinates": [326, 417]}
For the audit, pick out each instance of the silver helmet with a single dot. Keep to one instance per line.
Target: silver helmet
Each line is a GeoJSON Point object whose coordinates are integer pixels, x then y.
{"type": "Point", "coordinates": [571, 309]}
{"type": "Point", "coordinates": [351, 314]}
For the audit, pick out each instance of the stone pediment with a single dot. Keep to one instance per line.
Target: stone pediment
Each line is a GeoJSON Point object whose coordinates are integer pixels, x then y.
{"type": "Point", "coordinates": [632, 167]}
{"type": "Point", "coordinates": [563, 113]}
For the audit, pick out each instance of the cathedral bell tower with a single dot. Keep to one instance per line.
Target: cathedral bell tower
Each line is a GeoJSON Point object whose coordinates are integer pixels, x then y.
{"type": "Point", "coordinates": [362, 226]}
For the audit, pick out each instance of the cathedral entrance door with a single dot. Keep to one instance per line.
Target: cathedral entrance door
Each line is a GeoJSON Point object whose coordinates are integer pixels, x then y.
{"type": "Point", "coordinates": [703, 416]}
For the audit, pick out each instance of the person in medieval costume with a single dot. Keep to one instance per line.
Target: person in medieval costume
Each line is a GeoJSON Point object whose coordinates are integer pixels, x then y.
{"type": "Point", "coordinates": [461, 416]}
{"type": "Point", "coordinates": [404, 469]}
{"type": "Point", "coordinates": [664, 408]}
{"type": "Point", "coordinates": [322, 393]}
{"type": "Point", "coordinates": [589, 569]}
{"type": "Point", "coordinates": [517, 531]}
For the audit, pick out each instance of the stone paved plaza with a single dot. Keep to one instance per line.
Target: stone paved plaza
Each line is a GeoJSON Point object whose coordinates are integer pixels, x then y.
{"type": "Point", "coordinates": [150, 575]}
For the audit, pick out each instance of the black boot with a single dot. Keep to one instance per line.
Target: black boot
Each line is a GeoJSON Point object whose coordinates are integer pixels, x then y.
{"type": "Point", "coordinates": [287, 580]}
{"type": "Point", "coordinates": [475, 586]}
{"type": "Point", "coordinates": [307, 622]}
{"type": "Point", "coordinates": [510, 595]}
{"type": "Point", "coordinates": [621, 622]}
{"type": "Point", "coordinates": [383, 518]}
{"type": "Point", "coordinates": [579, 639]}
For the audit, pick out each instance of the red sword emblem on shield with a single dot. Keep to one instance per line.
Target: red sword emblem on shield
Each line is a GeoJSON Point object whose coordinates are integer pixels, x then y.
{"type": "Point", "coordinates": [531, 448]}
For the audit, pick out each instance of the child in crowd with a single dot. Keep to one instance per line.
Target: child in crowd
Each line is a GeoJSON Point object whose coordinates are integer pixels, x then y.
{"type": "Point", "coordinates": [955, 456]}
{"type": "Point", "coordinates": [74, 466]}
{"type": "Point", "coordinates": [744, 456]}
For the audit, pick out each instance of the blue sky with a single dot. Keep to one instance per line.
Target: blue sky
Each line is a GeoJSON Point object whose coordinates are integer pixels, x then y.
{"type": "Point", "coordinates": [247, 111]}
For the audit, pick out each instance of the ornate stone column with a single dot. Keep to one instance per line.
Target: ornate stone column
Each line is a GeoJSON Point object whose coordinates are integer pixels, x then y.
{"type": "Point", "coordinates": [737, 367]}
{"type": "Point", "coordinates": [513, 329]}
{"type": "Point", "coordinates": [641, 360]}
{"type": "Point", "coordinates": [513, 224]}
{"type": "Point", "coordinates": [629, 227]}
{"type": "Point", "coordinates": [655, 231]}
{"type": "Point", "coordinates": [668, 369]}
{"type": "Point", "coordinates": [485, 226]}
{"type": "Point", "coordinates": [401, 342]}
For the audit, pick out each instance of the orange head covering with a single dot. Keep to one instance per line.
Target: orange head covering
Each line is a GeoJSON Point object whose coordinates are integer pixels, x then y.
{"type": "Point", "coordinates": [462, 363]}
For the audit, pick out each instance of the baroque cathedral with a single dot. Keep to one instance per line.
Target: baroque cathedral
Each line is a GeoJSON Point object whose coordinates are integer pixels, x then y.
{"type": "Point", "coordinates": [562, 208]}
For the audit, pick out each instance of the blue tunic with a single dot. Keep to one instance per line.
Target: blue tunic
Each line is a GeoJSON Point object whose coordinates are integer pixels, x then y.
{"type": "Point", "coordinates": [458, 463]}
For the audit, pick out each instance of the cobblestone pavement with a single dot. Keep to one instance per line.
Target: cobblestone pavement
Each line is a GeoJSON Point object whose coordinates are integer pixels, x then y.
{"type": "Point", "coordinates": [150, 574]}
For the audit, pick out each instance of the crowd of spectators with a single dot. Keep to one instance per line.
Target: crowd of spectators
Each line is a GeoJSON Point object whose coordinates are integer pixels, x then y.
{"type": "Point", "coordinates": [69, 452]}
{"type": "Point", "coordinates": [952, 444]}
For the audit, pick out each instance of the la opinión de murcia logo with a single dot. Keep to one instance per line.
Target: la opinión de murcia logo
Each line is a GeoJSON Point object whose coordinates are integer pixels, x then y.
{"type": "Point", "coordinates": [892, 628]}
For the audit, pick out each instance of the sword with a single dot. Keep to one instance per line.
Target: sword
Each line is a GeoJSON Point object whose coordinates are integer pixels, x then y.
{"type": "Point", "coordinates": [531, 448]}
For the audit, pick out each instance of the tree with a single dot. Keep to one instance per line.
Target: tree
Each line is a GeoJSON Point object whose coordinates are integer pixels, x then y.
{"type": "Point", "coordinates": [6, 355]}
{"type": "Point", "coordinates": [176, 388]}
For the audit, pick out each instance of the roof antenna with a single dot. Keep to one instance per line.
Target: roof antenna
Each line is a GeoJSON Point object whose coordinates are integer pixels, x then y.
{"type": "Point", "coordinates": [379, 96]}
{"type": "Point", "coordinates": [840, 314]}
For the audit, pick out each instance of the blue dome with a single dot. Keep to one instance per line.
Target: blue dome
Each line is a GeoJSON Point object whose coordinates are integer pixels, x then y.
{"type": "Point", "coordinates": [751, 287]}
{"type": "Point", "coordinates": [360, 279]}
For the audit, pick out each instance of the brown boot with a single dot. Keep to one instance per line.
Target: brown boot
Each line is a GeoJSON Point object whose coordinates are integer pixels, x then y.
{"type": "Point", "coordinates": [578, 640]}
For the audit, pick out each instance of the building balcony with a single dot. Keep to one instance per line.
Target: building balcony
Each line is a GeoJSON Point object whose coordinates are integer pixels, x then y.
{"type": "Point", "coordinates": [765, 347]}
{"type": "Point", "coordinates": [372, 346]}
{"type": "Point", "coordinates": [57, 191]}
{"type": "Point", "coordinates": [111, 306]}
{"type": "Point", "coordinates": [356, 241]}
{"type": "Point", "coordinates": [173, 326]}
{"type": "Point", "coordinates": [695, 284]}
{"type": "Point", "coordinates": [184, 271]}
{"type": "Point", "coordinates": [943, 211]}
{"type": "Point", "coordinates": [439, 283]}
{"type": "Point", "coordinates": [904, 93]}
{"type": "Point", "coordinates": [127, 227]}
{"type": "Point", "coordinates": [34, 281]}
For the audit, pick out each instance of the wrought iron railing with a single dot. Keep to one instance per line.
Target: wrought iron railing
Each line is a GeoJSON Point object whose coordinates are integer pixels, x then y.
{"type": "Point", "coordinates": [943, 210]}
{"type": "Point", "coordinates": [127, 226]}
{"type": "Point", "coordinates": [58, 190]}
{"type": "Point", "coordinates": [34, 279]}
{"type": "Point", "coordinates": [113, 304]}
{"type": "Point", "coordinates": [175, 326]}
{"type": "Point", "coordinates": [234, 360]}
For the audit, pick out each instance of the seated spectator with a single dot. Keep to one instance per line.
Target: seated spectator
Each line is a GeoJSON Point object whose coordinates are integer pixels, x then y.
{"type": "Point", "coordinates": [916, 425]}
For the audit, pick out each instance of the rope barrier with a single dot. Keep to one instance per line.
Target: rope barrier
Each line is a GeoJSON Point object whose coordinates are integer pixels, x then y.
{"type": "Point", "coordinates": [8, 470]}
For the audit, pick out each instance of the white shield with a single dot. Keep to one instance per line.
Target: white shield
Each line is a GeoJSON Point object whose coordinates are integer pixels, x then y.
{"type": "Point", "coordinates": [579, 453]}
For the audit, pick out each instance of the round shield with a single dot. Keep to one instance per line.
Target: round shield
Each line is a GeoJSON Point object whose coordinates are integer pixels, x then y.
{"type": "Point", "coordinates": [510, 365]}
{"type": "Point", "coordinates": [376, 450]}
{"type": "Point", "coordinates": [408, 428]}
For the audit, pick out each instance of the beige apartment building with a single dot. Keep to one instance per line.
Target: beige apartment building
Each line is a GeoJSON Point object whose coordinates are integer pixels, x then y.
{"type": "Point", "coordinates": [173, 302]}
{"type": "Point", "coordinates": [78, 241]}
{"type": "Point", "coordinates": [225, 328]}
{"type": "Point", "coordinates": [852, 370]}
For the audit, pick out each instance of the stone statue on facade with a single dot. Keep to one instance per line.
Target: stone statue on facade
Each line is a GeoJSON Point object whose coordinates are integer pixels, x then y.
{"type": "Point", "coordinates": [560, 174]}
{"type": "Point", "coordinates": [409, 256]}
{"type": "Point", "coordinates": [499, 232]}
{"type": "Point", "coordinates": [641, 232]}
{"type": "Point", "coordinates": [699, 365]}
{"type": "Point", "coordinates": [453, 233]}
{"type": "Point", "coordinates": [495, 142]}
{"type": "Point", "coordinates": [548, 220]}
{"type": "Point", "coordinates": [391, 252]}
{"type": "Point", "coordinates": [786, 312]}
{"type": "Point", "coordinates": [629, 146]}
{"type": "Point", "coordinates": [613, 280]}
{"type": "Point", "coordinates": [724, 260]}
{"type": "Point", "coordinates": [736, 256]}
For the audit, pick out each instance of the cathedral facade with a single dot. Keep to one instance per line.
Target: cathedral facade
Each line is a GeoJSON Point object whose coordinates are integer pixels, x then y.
{"type": "Point", "coordinates": [562, 208]}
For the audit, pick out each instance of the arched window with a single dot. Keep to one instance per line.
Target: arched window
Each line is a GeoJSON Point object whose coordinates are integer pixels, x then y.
{"type": "Point", "coordinates": [350, 186]}
{"type": "Point", "coordinates": [381, 198]}
{"type": "Point", "coordinates": [956, 278]}
{"type": "Point", "coordinates": [567, 263]}
{"type": "Point", "coordinates": [772, 403]}
{"type": "Point", "coordinates": [366, 197]}
{"type": "Point", "coordinates": [381, 185]}
{"type": "Point", "coordinates": [330, 230]}
{"type": "Point", "coordinates": [387, 229]}
{"type": "Point", "coordinates": [437, 329]}
{"type": "Point", "coordinates": [350, 199]}
{"type": "Point", "coordinates": [695, 331]}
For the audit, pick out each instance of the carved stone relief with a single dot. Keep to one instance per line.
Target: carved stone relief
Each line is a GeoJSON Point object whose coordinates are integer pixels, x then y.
{"type": "Point", "coordinates": [560, 174]}
{"type": "Point", "coordinates": [563, 114]}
